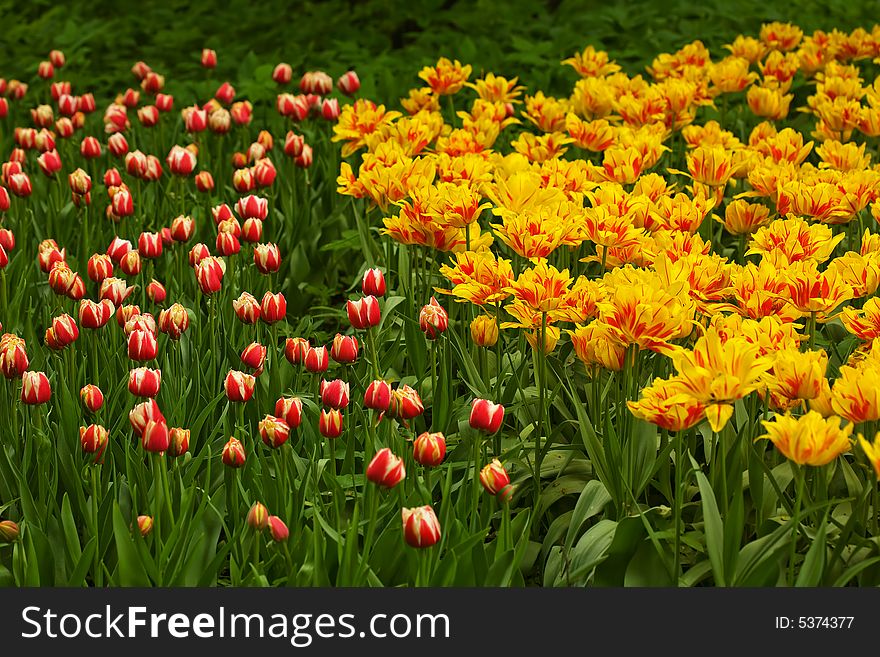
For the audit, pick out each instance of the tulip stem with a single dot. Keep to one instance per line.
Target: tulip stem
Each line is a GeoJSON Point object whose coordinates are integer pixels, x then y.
{"type": "Point", "coordinates": [97, 574]}
{"type": "Point", "coordinates": [476, 486]}
{"type": "Point", "coordinates": [540, 376]}
{"type": "Point", "coordinates": [372, 493]}
{"type": "Point", "coordinates": [374, 353]}
{"type": "Point", "coordinates": [799, 483]}
{"type": "Point", "coordinates": [676, 505]}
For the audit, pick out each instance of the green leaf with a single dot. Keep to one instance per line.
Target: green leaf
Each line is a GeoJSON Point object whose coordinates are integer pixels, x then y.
{"type": "Point", "coordinates": [714, 527]}
{"type": "Point", "coordinates": [593, 498]}
{"type": "Point", "coordinates": [814, 563]}
{"type": "Point", "coordinates": [131, 571]}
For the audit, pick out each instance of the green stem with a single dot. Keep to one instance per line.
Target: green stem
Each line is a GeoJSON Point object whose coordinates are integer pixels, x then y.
{"type": "Point", "coordinates": [796, 517]}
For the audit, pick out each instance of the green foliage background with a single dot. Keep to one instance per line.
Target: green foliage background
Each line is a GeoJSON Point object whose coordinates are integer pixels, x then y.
{"type": "Point", "coordinates": [387, 41]}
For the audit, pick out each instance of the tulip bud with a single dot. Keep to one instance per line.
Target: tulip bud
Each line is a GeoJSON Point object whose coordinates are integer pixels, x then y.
{"type": "Point", "coordinates": [254, 356]}
{"type": "Point", "coordinates": [150, 245]}
{"type": "Point", "coordinates": [91, 397]}
{"type": "Point", "coordinates": [148, 115]}
{"type": "Point", "coordinates": [330, 423]}
{"type": "Point", "coordinates": [198, 253]}
{"type": "Point", "coordinates": [142, 346]}
{"type": "Point", "coordinates": [289, 409]}
{"type": "Point", "coordinates": [274, 431]}
{"type": "Point", "coordinates": [174, 321]}
{"type": "Point", "coordinates": [57, 58]}
{"type": "Point", "coordinates": [405, 403]}
{"type": "Point", "coordinates": [304, 159]}
{"type": "Point", "coordinates": [20, 184]}
{"type": "Point", "coordinates": [145, 525]}
{"type": "Point", "coordinates": [227, 244]}
{"type": "Point", "coordinates": [50, 163]}
{"type": "Point", "coordinates": [204, 182]}
{"type": "Point", "coordinates": [139, 322]}
{"type": "Point", "coordinates": [252, 206]}
{"type": "Point", "coordinates": [124, 314]}
{"type": "Point", "coordinates": [155, 437]}
{"type": "Point", "coordinates": [233, 454]}
{"type": "Point", "coordinates": [131, 97]}
{"type": "Point", "coordinates": [378, 396]}
{"type": "Point", "coordinates": [364, 312]}
{"type": "Point", "coordinates": [46, 70]}
{"type": "Point", "coordinates": [348, 83]}
{"type": "Point", "coordinates": [421, 529]}
{"type": "Point", "coordinates": [64, 127]}
{"type": "Point", "coordinates": [123, 203]}
{"type": "Point", "coordinates": [144, 413]}
{"type": "Point", "coordinates": [95, 315]}
{"type": "Point", "coordinates": [494, 477]}
{"type": "Point", "coordinates": [282, 74]}
{"type": "Point", "coordinates": [182, 228]}
{"type": "Point", "coordinates": [267, 258]}
{"type": "Point", "coordinates": [225, 94]}
{"type": "Point", "coordinates": [178, 442]}
{"type": "Point", "coordinates": [90, 148]}
{"type": "Point", "coordinates": [209, 58]}
{"type": "Point", "coordinates": [429, 449]}
{"type": "Point", "coordinates": [65, 329]}
{"type": "Point", "coordinates": [93, 440]}
{"type": "Point", "coordinates": [13, 356]}
{"type": "Point", "coordinates": [344, 349]}
{"type": "Point", "coordinates": [164, 102]}
{"type": "Point", "coordinates": [252, 231]}
{"type": "Point", "coordinates": [433, 319]}
{"type": "Point", "coordinates": [35, 388]}
{"type": "Point", "coordinates": [316, 360]}
{"type": "Point", "coordinates": [273, 308]}
{"type": "Point", "coordinates": [156, 292]}
{"type": "Point", "coordinates": [118, 248]}
{"type": "Point", "coordinates": [8, 531]}
{"type": "Point", "coordinates": [209, 274]}
{"type": "Point", "coordinates": [7, 239]}
{"type": "Point", "coordinates": [330, 109]}
{"type": "Point", "coordinates": [242, 112]}
{"type": "Point", "coordinates": [195, 119]}
{"type": "Point", "coordinates": [243, 180]}
{"type": "Point", "coordinates": [4, 197]}
{"type": "Point", "coordinates": [117, 145]}
{"type": "Point", "coordinates": [484, 331]}
{"type": "Point", "coordinates": [278, 529]}
{"type": "Point", "coordinates": [293, 144]}
{"type": "Point", "coordinates": [386, 469]}
{"type": "Point", "coordinates": [486, 416]}
{"type": "Point", "coordinates": [264, 173]}
{"type": "Point", "coordinates": [258, 517]}
{"type": "Point", "coordinates": [181, 162]}
{"type": "Point", "coordinates": [239, 386]}
{"type": "Point", "coordinates": [335, 394]}
{"type": "Point", "coordinates": [130, 263]}
{"type": "Point", "coordinates": [316, 82]}
{"type": "Point", "coordinates": [144, 382]}
{"type": "Point", "coordinates": [80, 182]}
{"type": "Point", "coordinates": [246, 308]}
{"type": "Point", "coordinates": [373, 283]}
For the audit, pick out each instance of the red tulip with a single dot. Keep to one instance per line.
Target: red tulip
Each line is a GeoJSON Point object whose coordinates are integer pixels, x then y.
{"type": "Point", "coordinates": [155, 437]}
{"type": "Point", "coordinates": [144, 413]}
{"type": "Point", "coordinates": [316, 82]}
{"type": "Point", "coordinates": [364, 312]}
{"type": "Point", "coordinates": [242, 112]}
{"type": "Point", "coordinates": [148, 115]}
{"type": "Point", "coordinates": [195, 119]}
{"type": "Point", "coordinates": [144, 382]}
{"type": "Point", "coordinates": [182, 228]}
{"type": "Point", "coordinates": [93, 440]}
{"type": "Point", "coordinates": [35, 388]}
{"type": "Point", "coordinates": [243, 180]}
{"type": "Point", "coordinates": [164, 102]}
{"type": "Point", "coordinates": [246, 308]}
{"type": "Point", "coordinates": [486, 416]}
{"type": "Point", "coordinates": [267, 258]}
{"type": "Point", "coordinates": [316, 360]}
{"type": "Point", "coordinates": [348, 83]}
{"type": "Point", "coordinates": [198, 253]}
{"type": "Point", "coordinates": [178, 442]}
{"type": "Point", "coordinates": [95, 315]}
{"type": "Point", "coordinates": [433, 319]}
{"type": "Point", "coordinates": [373, 283]}
{"type": "Point", "coordinates": [225, 94]}
{"type": "Point", "coordinates": [13, 356]}
{"type": "Point", "coordinates": [142, 346]}
{"type": "Point", "coordinates": [304, 159]}
{"type": "Point", "coordinates": [181, 162]}
{"type": "Point", "coordinates": [4, 197]}
{"type": "Point", "coordinates": [227, 244]}
{"type": "Point", "coordinates": [405, 403]}
{"type": "Point", "coordinates": [80, 182]}
{"type": "Point", "coordinates": [91, 397]}
{"type": "Point", "coordinates": [145, 525]}
{"type": "Point", "coordinates": [421, 529]}
{"type": "Point", "coordinates": [274, 431]}
{"type": "Point", "coordinates": [174, 321]}
{"type": "Point", "coordinates": [290, 410]}
{"type": "Point", "coordinates": [209, 58]}
{"type": "Point", "coordinates": [293, 144]}
{"type": "Point", "coordinates": [204, 181]}
{"type": "Point", "coordinates": [335, 393]}
{"type": "Point", "coordinates": [99, 267]}
{"type": "Point", "coordinates": [239, 386]}
{"type": "Point", "coordinates": [122, 203]}
{"type": "Point", "coordinates": [125, 313]}
{"type": "Point", "coordinates": [344, 349]}
{"type": "Point", "coordinates": [386, 469]}
{"type": "Point", "coordinates": [252, 231]}
{"type": "Point", "coordinates": [282, 74]}
{"type": "Point", "coordinates": [378, 396]}
{"type": "Point", "coordinates": [254, 356]}
{"type": "Point", "coordinates": [57, 58]}
{"type": "Point", "coordinates": [252, 206]}
{"type": "Point", "coordinates": [494, 477]}
{"type": "Point", "coordinates": [258, 517]}
{"type": "Point", "coordinates": [264, 172]}
{"type": "Point", "coordinates": [50, 163]}
{"type": "Point", "coordinates": [156, 291]}
{"type": "Point", "coordinates": [114, 289]}
{"type": "Point", "coordinates": [65, 329]}
{"type": "Point", "coordinates": [20, 184]}
{"type": "Point", "coordinates": [153, 83]}
{"type": "Point", "coordinates": [429, 449]}
{"type": "Point", "coordinates": [130, 263]}
{"type": "Point", "coordinates": [132, 97]}
{"type": "Point", "coordinates": [45, 70]}
{"type": "Point", "coordinates": [150, 245]}
{"type": "Point", "coordinates": [330, 423]}
{"type": "Point", "coordinates": [117, 145]}
{"type": "Point", "coordinates": [278, 529]}
{"type": "Point", "coordinates": [273, 308]}
{"type": "Point", "coordinates": [330, 109]}
{"type": "Point", "coordinates": [209, 274]}
{"type": "Point", "coordinates": [233, 454]}
{"type": "Point", "coordinates": [90, 148]}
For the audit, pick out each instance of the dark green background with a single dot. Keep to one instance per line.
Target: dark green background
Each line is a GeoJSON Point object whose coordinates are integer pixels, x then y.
{"type": "Point", "coordinates": [387, 42]}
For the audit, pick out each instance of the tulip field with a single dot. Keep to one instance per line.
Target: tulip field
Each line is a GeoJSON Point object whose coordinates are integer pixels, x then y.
{"type": "Point", "coordinates": [478, 335]}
